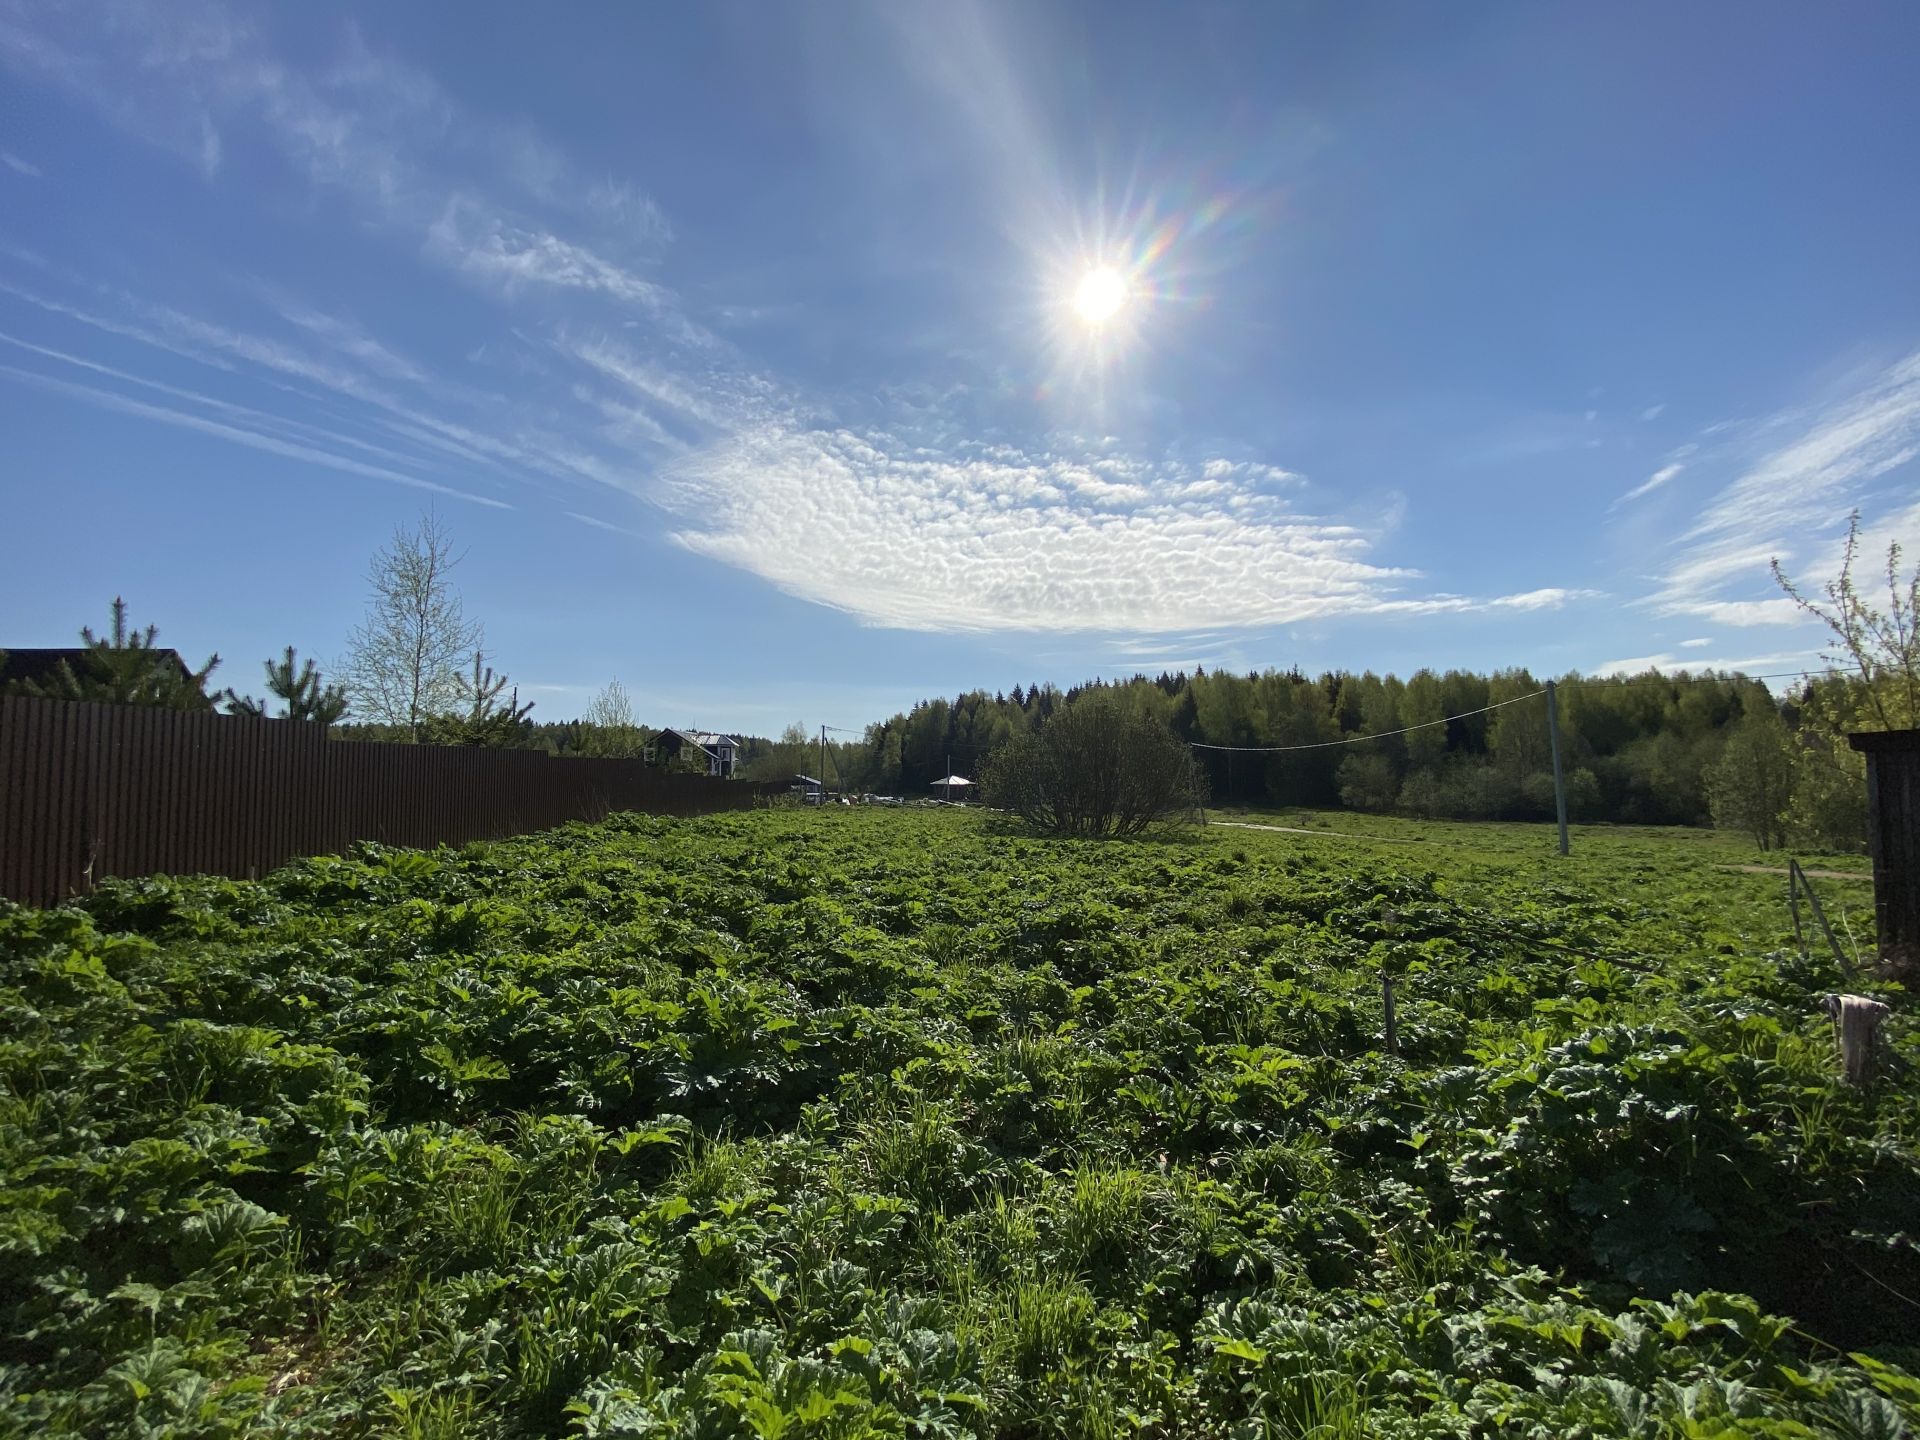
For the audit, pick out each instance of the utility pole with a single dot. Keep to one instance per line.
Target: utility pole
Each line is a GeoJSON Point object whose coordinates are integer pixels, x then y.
{"type": "Point", "coordinates": [823, 764]}
{"type": "Point", "coordinates": [949, 779]}
{"type": "Point", "coordinates": [1559, 783]}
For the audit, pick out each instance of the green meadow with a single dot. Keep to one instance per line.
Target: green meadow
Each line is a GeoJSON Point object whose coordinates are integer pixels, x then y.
{"type": "Point", "coordinates": [894, 1122]}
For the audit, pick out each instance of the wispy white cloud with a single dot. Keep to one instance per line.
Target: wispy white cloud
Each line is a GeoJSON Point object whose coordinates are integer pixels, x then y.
{"type": "Point", "coordinates": [190, 76]}
{"type": "Point", "coordinates": [711, 402]}
{"type": "Point", "coordinates": [1667, 663]}
{"type": "Point", "coordinates": [18, 166]}
{"type": "Point", "coordinates": [1153, 648]}
{"type": "Point", "coordinates": [1745, 614]}
{"type": "Point", "coordinates": [599, 524]}
{"type": "Point", "coordinates": [630, 209]}
{"type": "Point", "coordinates": [1793, 501]}
{"type": "Point", "coordinates": [238, 435]}
{"type": "Point", "coordinates": [112, 325]}
{"type": "Point", "coordinates": [79, 50]}
{"type": "Point", "coordinates": [429, 422]}
{"type": "Point", "coordinates": [1653, 482]}
{"type": "Point", "coordinates": [1654, 412]}
{"type": "Point", "coordinates": [1550, 598]}
{"type": "Point", "coordinates": [346, 336]}
{"type": "Point", "coordinates": [1696, 644]}
{"type": "Point", "coordinates": [493, 250]}
{"type": "Point", "coordinates": [629, 424]}
{"type": "Point", "coordinates": [254, 418]}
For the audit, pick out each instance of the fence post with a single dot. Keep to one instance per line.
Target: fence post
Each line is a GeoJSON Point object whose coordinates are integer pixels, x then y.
{"type": "Point", "coordinates": [1559, 784]}
{"type": "Point", "coordinates": [1798, 877]}
{"type": "Point", "coordinates": [1856, 1028]}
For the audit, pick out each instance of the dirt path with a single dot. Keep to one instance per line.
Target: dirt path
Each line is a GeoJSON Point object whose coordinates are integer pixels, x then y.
{"type": "Point", "coordinates": [1810, 874]}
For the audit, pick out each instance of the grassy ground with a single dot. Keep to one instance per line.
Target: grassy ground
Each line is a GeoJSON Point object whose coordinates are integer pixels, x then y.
{"type": "Point", "coordinates": [839, 1123]}
{"type": "Point", "coordinates": [1492, 840]}
{"type": "Point", "coordinates": [1707, 881]}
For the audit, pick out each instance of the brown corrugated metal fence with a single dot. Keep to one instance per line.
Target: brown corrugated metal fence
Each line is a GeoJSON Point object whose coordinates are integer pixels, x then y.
{"type": "Point", "coordinates": [88, 791]}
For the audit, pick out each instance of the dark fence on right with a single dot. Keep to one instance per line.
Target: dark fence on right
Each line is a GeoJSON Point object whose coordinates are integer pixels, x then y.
{"type": "Point", "coordinates": [1893, 839]}
{"type": "Point", "coordinates": [88, 791]}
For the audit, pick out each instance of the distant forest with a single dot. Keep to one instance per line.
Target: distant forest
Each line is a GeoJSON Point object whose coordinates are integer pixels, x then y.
{"type": "Point", "coordinates": [1636, 750]}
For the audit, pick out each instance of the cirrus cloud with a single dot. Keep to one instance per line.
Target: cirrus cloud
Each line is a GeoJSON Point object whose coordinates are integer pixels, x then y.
{"type": "Point", "coordinates": [1792, 503]}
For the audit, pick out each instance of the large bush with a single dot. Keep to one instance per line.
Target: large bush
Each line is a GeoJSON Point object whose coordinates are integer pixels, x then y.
{"type": "Point", "coordinates": [1096, 768]}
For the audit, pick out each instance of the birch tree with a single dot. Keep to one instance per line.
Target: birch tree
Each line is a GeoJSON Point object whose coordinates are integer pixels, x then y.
{"type": "Point", "coordinates": [610, 727]}
{"type": "Point", "coordinates": [403, 660]}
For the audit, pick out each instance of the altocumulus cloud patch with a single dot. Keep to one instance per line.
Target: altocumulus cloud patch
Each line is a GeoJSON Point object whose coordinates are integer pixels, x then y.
{"type": "Point", "coordinates": [998, 539]}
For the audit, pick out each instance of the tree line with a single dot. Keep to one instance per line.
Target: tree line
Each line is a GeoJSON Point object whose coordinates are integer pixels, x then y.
{"type": "Point", "coordinates": [1651, 749]}
{"type": "Point", "coordinates": [1634, 748]}
{"type": "Point", "coordinates": [1654, 749]}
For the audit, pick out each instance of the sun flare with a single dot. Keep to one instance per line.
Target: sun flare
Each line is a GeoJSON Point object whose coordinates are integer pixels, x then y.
{"type": "Point", "coordinates": [1100, 294]}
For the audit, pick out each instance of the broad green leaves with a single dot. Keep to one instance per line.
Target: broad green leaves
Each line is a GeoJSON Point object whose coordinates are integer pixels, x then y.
{"type": "Point", "coordinates": [808, 1125]}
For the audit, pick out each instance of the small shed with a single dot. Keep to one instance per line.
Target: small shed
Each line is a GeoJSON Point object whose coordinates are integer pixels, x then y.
{"type": "Point", "coordinates": [1893, 838]}
{"type": "Point", "coordinates": [951, 784]}
{"type": "Point", "coordinates": [809, 789]}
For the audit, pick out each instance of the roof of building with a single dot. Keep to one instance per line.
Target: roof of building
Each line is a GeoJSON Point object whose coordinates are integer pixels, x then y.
{"type": "Point", "coordinates": [683, 735]}
{"type": "Point", "coordinates": [37, 663]}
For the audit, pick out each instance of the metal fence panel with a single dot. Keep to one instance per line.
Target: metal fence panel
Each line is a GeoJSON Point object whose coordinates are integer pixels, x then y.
{"type": "Point", "coordinates": [88, 791]}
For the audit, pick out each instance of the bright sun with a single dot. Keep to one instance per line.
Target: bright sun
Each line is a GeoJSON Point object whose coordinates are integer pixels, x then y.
{"type": "Point", "coordinates": [1100, 295]}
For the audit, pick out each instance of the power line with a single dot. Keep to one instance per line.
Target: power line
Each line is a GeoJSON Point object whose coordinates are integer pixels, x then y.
{"type": "Point", "coordinates": [1357, 739]}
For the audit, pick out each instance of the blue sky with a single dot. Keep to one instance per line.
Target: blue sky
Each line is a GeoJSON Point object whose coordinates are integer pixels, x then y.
{"type": "Point", "coordinates": [739, 346]}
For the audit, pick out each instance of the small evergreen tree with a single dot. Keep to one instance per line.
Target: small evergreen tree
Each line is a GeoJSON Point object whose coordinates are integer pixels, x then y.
{"type": "Point", "coordinates": [125, 667]}
{"type": "Point", "coordinates": [299, 690]}
{"type": "Point", "coordinates": [488, 719]}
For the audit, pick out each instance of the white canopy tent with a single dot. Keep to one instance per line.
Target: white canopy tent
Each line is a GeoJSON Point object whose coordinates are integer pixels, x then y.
{"type": "Point", "coordinates": [947, 786]}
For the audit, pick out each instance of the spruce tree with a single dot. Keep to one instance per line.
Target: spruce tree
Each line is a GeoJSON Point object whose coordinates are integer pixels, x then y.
{"type": "Point", "coordinates": [124, 667]}
{"type": "Point", "coordinates": [299, 690]}
{"type": "Point", "coordinates": [488, 720]}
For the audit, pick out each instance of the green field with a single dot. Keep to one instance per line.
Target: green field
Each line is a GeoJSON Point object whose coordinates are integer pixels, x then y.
{"type": "Point", "coordinates": [839, 1123]}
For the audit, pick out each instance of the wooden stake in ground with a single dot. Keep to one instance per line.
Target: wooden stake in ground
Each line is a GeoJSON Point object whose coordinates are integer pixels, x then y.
{"type": "Point", "coordinates": [1856, 1026]}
